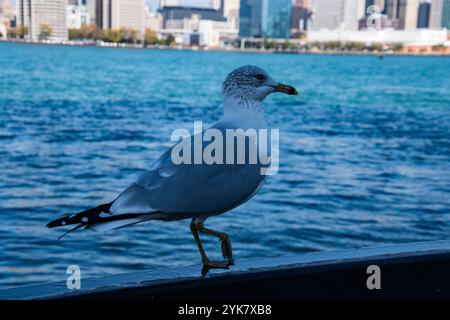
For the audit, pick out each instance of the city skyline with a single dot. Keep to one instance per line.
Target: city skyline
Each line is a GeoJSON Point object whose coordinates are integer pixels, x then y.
{"type": "Point", "coordinates": [226, 23]}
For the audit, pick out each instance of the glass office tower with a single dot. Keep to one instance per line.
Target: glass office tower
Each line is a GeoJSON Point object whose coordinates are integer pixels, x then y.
{"type": "Point", "coordinates": [265, 18]}
{"type": "Point", "coordinates": [276, 18]}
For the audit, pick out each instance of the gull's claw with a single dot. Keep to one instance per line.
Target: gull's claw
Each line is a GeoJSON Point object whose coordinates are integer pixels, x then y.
{"type": "Point", "coordinates": [209, 264]}
{"type": "Point", "coordinates": [217, 264]}
{"type": "Point", "coordinates": [225, 245]}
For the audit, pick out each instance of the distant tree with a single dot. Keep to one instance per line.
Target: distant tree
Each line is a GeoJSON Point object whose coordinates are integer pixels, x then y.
{"type": "Point", "coordinates": [12, 33]}
{"type": "Point", "coordinates": [170, 40]}
{"type": "Point", "coordinates": [294, 46]}
{"type": "Point", "coordinates": [45, 31]}
{"type": "Point", "coordinates": [150, 37]}
{"type": "Point", "coordinates": [128, 35]}
{"type": "Point", "coordinates": [397, 46]}
{"type": "Point", "coordinates": [332, 45]}
{"type": "Point", "coordinates": [74, 34]}
{"type": "Point", "coordinates": [285, 45]}
{"type": "Point", "coordinates": [268, 44]}
{"type": "Point", "coordinates": [18, 32]}
{"type": "Point", "coordinates": [87, 31]}
{"type": "Point", "coordinates": [91, 31]}
{"type": "Point", "coordinates": [375, 47]}
{"type": "Point", "coordinates": [111, 35]}
{"type": "Point", "coordinates": [357, 46]}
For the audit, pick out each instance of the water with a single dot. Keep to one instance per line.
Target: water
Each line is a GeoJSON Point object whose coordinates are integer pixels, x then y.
{"type": "Point", "coordinates": [365, 154]}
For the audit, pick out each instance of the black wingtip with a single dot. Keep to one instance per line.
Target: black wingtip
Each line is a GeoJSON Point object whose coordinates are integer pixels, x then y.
{"type": "Point", "coordinates": [58, 222]}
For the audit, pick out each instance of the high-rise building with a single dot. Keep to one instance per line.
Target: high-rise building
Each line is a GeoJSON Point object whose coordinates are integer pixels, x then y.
{"type": "Point", "coordinates": [6, 8]}
{"type": "Point", "coordinates": [402, 13]}
{"type": "Point", "coordinates": [300, 16]}
{"type": "Point", "coordinates": [368, 10]}
{"type": "Point", "coordinates": [168, 3]}
{"type": "Point", "coordinates": [265, 18]}
{"type": "Point", "coordinates": [43, 18]}
{"type": "Point", "coordinates": [379, 4]}
{"type": "Point", "coordinates": [423, 19]}
{"type": "Point", "coordinates": [6, 17]}
{"type": "Point", "coordinates": [231, 12]}
{"type": "Point", "coordinates": [215, 4]}
{"type": "Point", "coordinates": [446, 15]}
{"type": "Point", "coordinates": [336, 14]}
{"type": "Point", "coordinates": [153, 21]}
{"type": "Point", "coordinates": [436, 11]}
{"type": "Point", "coordinates": [250, 15]}
{"type": "Point", "coordinates": [175, 16]}
{"type": "Point", "coordinates": [117, 14]}
{"type": "Point", "coordinates": [77, 14]}
{"type": "Point", "coordinates": [368, 4]}
{"type": "Point", "coordinates": [391, 8]}
{"type": "Point", "coordinates": [90, 7]}
{"type": "Point", "coordinates": [98, 16]}
{"type": "Point", "coordinates": [276, 18]}
{"type": "Point", "coordinates": [409, 20]}
{"type": "Point", "coordinates": [231, 7]}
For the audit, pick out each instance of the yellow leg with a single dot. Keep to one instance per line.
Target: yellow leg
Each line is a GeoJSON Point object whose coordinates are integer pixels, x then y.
{"type": "Point", "coordinates": [194, 231]}
{"type": "Point", "coordinates": [224, 241]}
{"type": "Point", "coordinates": [198, 227]}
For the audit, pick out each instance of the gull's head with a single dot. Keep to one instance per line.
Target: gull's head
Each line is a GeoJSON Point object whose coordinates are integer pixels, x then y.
{"type": "Point", "coordinates": [252, 83]}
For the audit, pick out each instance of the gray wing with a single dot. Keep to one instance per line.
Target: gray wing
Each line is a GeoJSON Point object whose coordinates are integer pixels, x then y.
{"type": "Point", "coordinates": [189, 189]}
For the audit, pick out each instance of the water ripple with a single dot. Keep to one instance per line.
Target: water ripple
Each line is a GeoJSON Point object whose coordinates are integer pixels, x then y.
{"type": "Point", "coordinates": [365, 154]}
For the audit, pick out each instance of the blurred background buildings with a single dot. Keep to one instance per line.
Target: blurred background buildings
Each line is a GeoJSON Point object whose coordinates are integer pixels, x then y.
{"type": "Point", "coordinates": [228, 23]}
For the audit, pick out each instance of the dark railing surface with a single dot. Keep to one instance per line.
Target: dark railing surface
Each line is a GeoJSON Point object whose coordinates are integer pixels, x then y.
{"type": "Point", "coordinates": [416, 270]}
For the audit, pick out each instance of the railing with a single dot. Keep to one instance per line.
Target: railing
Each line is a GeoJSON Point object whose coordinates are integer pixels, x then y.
{"type": "Point", "coordinates": [417, 270]}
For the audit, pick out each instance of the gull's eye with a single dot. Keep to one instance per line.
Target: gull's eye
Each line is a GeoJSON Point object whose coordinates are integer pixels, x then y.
{"type": "Point", "coordinates": [259, 77]}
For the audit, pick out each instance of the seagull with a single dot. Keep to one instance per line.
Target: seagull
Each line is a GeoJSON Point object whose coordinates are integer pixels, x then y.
{"type": "Point", "coordinates": [170, 191]}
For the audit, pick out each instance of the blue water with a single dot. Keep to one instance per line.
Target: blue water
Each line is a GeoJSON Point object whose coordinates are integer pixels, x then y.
{"type": "Point", "coordinates": [365, 154]}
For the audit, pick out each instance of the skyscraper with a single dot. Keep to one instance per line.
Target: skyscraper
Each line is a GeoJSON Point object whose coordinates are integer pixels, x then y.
{"type": "Point", "coordinates": [42, 16]}
{"type": "Point", "coordinates": [391, 8]}
{"type": "Point", "coordinates": [6, 16]}
{"type": "Point", "coordinates": [117, 14]}
{"type": "Point", "coordinates": [379, 3]}
{"type": "Point", "coordinates": [6, 8]}
{"type": "Point", "coordinates": [276, 18]}
{"type": "Point", "coordinates": [168, 3]}
{"type": "Point", "coordinates": [265, 18]}
{"type": "Point", "coordinates": [300, 16]}
{"type": "Point", "coordinates": [423, 19]}
{"type": "Point", "coordinates": [250, 15]}
{"type": "Point", "coordinates": [436, 11]}
{"type": "Point", "coordinates": [403, 13]}
{"type": "Point", "coordinates": [336, 14]}
{"type": "Point", "coordinates": [446, 15]}
{"type": "Point", "coordinates": [231, 12]}
{"type": "Point", "coordinates": [215, 4]}
{"type": "Point", "coordinates": [408, 21]}
{"type": "Point", "coordinates": [77, 14]}
{"type": "Point", "coordinates": [90, 6]}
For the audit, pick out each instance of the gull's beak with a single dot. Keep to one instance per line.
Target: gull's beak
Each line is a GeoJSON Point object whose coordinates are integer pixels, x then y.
{"type": "Point", "coordinates": [290, 90]}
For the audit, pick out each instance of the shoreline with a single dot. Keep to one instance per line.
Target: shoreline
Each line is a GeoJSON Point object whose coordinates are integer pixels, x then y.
{"type": "Point", "coordinates": [238, 50]}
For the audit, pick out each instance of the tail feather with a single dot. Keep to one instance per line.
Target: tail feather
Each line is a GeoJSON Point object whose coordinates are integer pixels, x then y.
{"type": "Point", "coordinates": [116, 224]}
{"type": "Point", "coordinates": [71, 230]}
{"type": "Point", "coordinates": [98, 218]}
{"type": "Point", "coordinates": [83, 217]}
